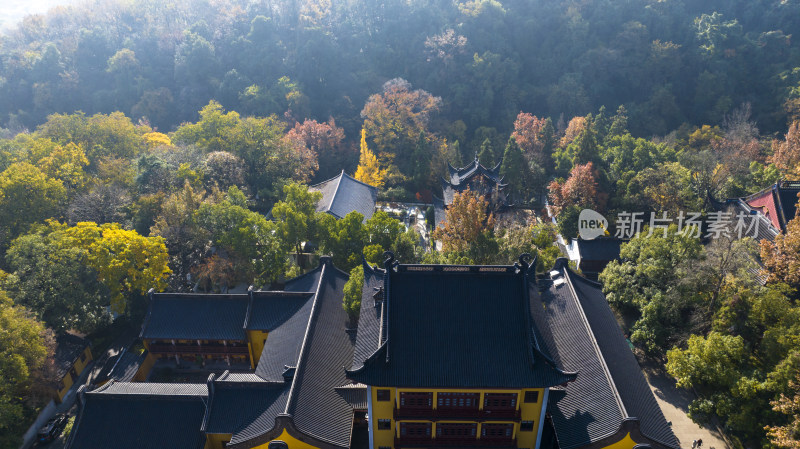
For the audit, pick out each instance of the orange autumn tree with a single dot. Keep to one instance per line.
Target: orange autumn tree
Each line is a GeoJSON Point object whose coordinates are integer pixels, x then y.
{"type": "Point", "coordinates": [369, 171]}
{"type": "Point", "coordinates": [465, 220]}
{"type": "Point", "coordinates": [786, 153]}
{"type": "Point", "coordinates": [780, 257]}
{"type": "Point", "coordinates": [580, 189]}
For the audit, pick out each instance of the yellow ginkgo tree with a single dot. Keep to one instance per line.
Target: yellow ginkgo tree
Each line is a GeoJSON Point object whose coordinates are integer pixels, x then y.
{"type": "Point", "coordinates": [369, 170]}
{"type": "Point", "coordinates": [126, 262]}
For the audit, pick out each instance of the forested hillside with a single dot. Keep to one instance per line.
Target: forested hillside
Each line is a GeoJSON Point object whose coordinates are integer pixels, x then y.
{"type": "Point", "coordinates": [668, 62]}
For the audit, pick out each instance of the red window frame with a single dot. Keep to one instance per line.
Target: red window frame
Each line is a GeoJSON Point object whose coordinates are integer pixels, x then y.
{"type": "Point", "coordinates": [497, 431]}
{"type": "Point", "coordinates": [458, 401]}
{"type": "Point", "coordinates": [416, 400]}
{"type": "Point", "coordinates": [500, 401]}
{"type": "Point", "coordinates": [418, 430]}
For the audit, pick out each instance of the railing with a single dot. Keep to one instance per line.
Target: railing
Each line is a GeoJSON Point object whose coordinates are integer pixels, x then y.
{"type": "Point", "coordinates": [444, 413]}
{"type": "Point", "coordinates": [455, 442]}
{"type": "Point", "coordinates": [197, 349]}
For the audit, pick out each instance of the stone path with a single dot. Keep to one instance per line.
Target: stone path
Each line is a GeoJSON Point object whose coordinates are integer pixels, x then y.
{"type": "Point", "coordinates": [674, 404]}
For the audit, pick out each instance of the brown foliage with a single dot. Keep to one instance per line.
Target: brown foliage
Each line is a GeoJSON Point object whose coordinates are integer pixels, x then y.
{"type": "Point", "coordinates": [788, 435]}
{"type": "Point", "coordinates": [527, 132]}
{"type": "Point", "coordinates": [324, 140]}
{"type": "Point", "coordinates": [782, 256]}
{"type": "Point", "coordinates": [580, 189]}
{"type": "Point", "coordinates": [786, 153]}
{"type": "Point", "coordinates": [465, 220]}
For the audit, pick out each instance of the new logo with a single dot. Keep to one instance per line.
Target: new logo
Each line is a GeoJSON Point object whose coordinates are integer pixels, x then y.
{"type": "Point", "coordinates": [591, 224]}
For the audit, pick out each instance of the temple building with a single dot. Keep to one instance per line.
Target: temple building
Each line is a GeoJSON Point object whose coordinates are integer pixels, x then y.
{"type": "Point", "coordinates": [443, 356]}
{"type": "Point", "coordinates": [486, 356]}
{"type": "Point", "coordinates": [72, 355]}
{"type": "Point", "coordinates": [772, 208]}
{"type": "Point", "coordinates": [298, 343]}
{"type": "Point", "coordinates": [344, 194]}
{"type": "Point", "coordinates": [484, 181]}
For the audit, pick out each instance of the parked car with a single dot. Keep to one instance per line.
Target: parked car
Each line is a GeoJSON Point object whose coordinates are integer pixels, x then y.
{"type": "Point", "coordinates": [53, 428]}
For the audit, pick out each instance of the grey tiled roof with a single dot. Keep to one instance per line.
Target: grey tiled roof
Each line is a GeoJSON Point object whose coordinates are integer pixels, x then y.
{"type": "Point", "coordinates": [305, 282]}
{"type": "Point", "coordinates": [601, 249]}
{"type": "Point", "coordinates": [578, 329]}
{"type": "Point", "coordinates": [480, 179]}
{"type": "Point", "coordinates": [244, 408]}
{"type": "Point", "coordinates": [625, 371]}
{"type": "Point", "coordinates": [152, 389]}
{"type": "Point", "coordinates": [270, 309]}
{"type": "Point", "coordinates": [459, 175]}
{"type": "Point", "coordinates": [764, 228]}
{"type": "Point", "coordinates": [355, 395]}
{"type": "Point", "coordinates": [344, 194]}
{"type": "Point", "coordinates": [146, 416]}
{"type": "Point", "coordinates": [369, 321]}
{"type": "Point", "coordinates": [450, 305]}
{"type": "Point", "coordinates": [318, 410]}
{"type": "Point", "coordinates": [68, 348]}
{"type": "Point", "coordinates": [283, 343]}
{"type": "Point", "coordinates": [589, 403]}
{"type": "Point", "coordinates": [196, 317]}
{"type": "Point", "coordinates": [126, 365]}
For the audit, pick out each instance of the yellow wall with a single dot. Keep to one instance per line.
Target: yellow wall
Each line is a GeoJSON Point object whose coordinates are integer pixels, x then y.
{"type": "Point", "coordinates": [256, 340]}
{"type": "Point", "coordinates": [215, 440]}
{"type": "Point", "coordinates": [382, 410]}
{"type": "Point", "coordinates": [145, 368]}
{"type": "Point", "coordinates": [291, 441]}
{"type": "Point", "coordinates": [385, 410]}
{"type": "Point", "coordinates": [625, 443]}
{"type": "Point", "coordinates": [529, 412]}
{"type": "Point", "coordinates": [79, 367]}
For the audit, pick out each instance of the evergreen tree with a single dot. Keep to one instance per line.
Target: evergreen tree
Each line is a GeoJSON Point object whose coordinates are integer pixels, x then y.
{"type": "Point", "coordinates": [422, 162]}
{"type": "Point", "coordinates": [514, 170]}
{"type": "Point", "coordinates": [486, 156]}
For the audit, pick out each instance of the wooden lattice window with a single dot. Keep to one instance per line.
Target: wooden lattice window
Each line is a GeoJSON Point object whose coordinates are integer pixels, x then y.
{"type": "Point", "coordinates": [497, 431]}
{"type": "Point", "coordinates": [456, 431]}
{"type": "Point", "coordinates": [500, 401]}
{"type": "Point", "coordinates": [416, 400]}
{"type": "Point", "coordinates": [457, 400]}
{"type": "Point", "coordinates": [415, 430]}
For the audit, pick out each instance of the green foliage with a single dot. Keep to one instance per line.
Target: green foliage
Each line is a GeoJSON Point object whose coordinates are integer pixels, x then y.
{"type": "Point", "coordinates": [101, 136]}
{"type": "Point", "coordinates": [25, 345]}
{"type": "Point", "coordinates": [654, 280]}
{"type": "Point", "coordinates": [345, 239]}
{"type": "Point", "coordinates": [515, 169]}
{"type": "Point", "coordinates": [352, 293]}
{"type": "Point", "coordinates": [712, 361]}
{"type": "Point", "coordinates": [255, 249]}
{"type": "Point", "coordinates": [51, 278]}
{"type": "Point", "coordinates": [296, 216]}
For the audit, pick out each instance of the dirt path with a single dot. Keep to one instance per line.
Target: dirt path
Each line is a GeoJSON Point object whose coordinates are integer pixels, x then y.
{"type": "Point", "coordinates": [674, 404]}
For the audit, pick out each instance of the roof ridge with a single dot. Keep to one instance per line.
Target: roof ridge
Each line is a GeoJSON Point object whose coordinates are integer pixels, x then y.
{"type": "Point", "coordinates": [360, 182]}
{"type": "Point", "coordinates": [214, 296]}
{"type": "Point", "coordinates": [595, 345]}
{"type": "Point", "coordinates": [336, 191]}
{"type": "Point", "coordinates": [301, 360]}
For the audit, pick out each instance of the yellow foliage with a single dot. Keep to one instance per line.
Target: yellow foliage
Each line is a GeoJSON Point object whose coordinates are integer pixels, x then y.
{"type": "Point", "coordinates": [369, 170]}
{"type": "Point", "coordinates": [156, 139]}
{"type": "Point", "coordinates": [126, 262]}
{"type": "Point", "coordinates": [66, 163]}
